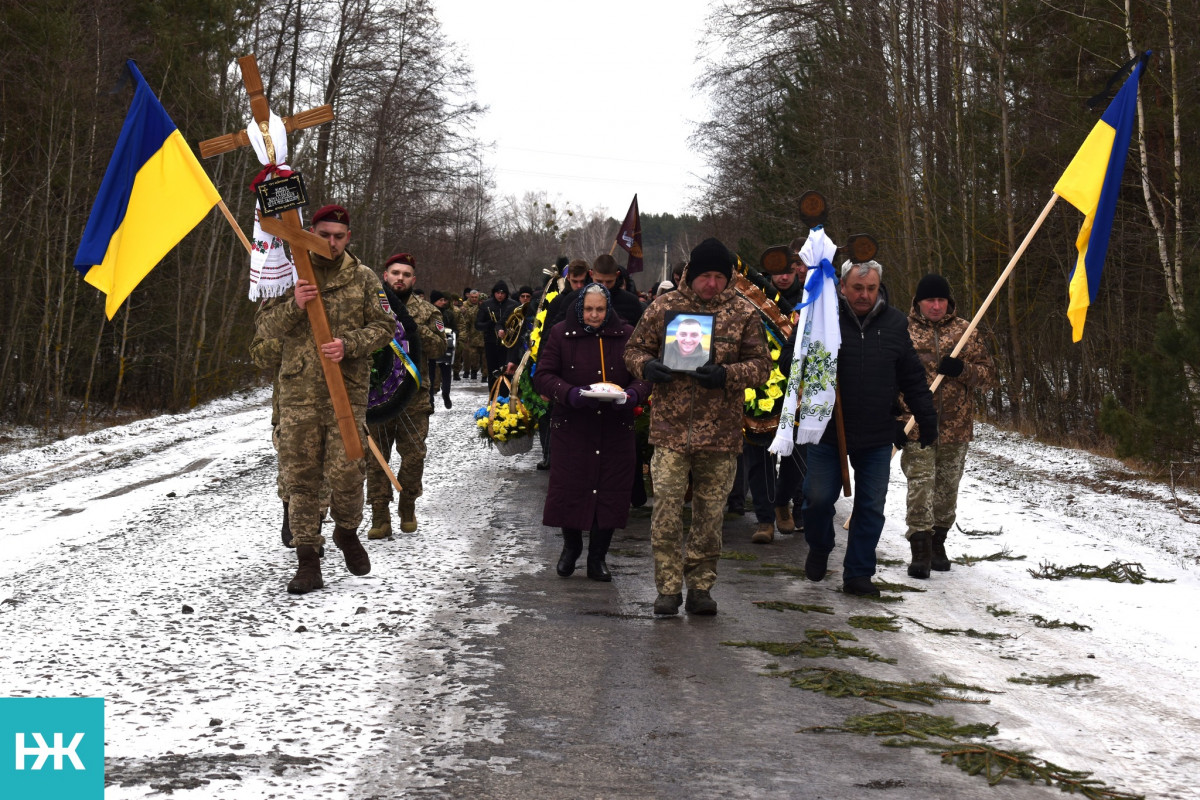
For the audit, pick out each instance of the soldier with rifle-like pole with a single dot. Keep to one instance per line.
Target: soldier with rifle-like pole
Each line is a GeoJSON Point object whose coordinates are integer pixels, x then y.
{"type": "Point", "coordinates": [323, 377]}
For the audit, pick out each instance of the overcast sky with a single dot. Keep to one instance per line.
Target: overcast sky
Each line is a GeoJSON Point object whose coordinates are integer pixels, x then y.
{"type": "Point", "coordinates": [590, 102]}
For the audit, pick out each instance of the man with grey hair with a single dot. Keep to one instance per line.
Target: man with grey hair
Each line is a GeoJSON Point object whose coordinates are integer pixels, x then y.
{"type": "Point", "coordinates": [876, 363]}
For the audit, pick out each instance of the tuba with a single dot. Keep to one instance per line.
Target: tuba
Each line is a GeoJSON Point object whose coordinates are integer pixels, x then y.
{"type": "Point", "coordinates": [513, 326]}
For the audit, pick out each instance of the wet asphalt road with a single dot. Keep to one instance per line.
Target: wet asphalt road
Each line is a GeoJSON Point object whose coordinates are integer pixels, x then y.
{"type": "Point", "coordinates": [598, 698]}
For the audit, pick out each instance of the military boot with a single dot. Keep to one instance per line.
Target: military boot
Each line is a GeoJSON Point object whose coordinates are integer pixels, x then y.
{"type": "Point", "coordinates": [764, 533]}
{"type": "Point", "coordinates": [700, 602]}
{"type": "Point", "coordinates": [381, 521]}
{"type": "Point", "coordinates": [308, 576]}
{"type": "Point", "coordinates": [357, 560]}
{"type": "Point", "coordinates": [784, 520]}
{"type": "Point", "coordinates": [939, 561]}
{"type": "Point", "coordinates": [286, 530]}
{"type": "Point", "coordinates": [408, 515]}
{"type": "Point", "coordinates": [666, 605]}
{"type": "Point", "coordinates": [922, 551]}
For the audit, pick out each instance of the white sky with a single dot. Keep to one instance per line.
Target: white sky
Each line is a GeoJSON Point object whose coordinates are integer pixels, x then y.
{"type": "Point", "coordinates": [590, 102]}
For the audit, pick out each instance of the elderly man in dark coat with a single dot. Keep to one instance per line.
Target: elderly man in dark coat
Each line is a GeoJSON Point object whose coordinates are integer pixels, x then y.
{"type": "Point", "coordinates": [592, 439]}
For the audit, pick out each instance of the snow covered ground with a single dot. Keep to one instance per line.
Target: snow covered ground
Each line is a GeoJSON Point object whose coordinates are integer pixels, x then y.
{"type": "Point", "coordinates": [252, 693]}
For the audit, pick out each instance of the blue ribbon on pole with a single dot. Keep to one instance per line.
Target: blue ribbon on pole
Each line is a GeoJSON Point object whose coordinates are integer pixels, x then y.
{"type": "Point", "coordinates": [816, 281]}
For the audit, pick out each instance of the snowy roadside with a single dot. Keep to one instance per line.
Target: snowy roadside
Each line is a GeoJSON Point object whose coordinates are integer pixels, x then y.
{"type": "Point", "coordinates": [246, 692]}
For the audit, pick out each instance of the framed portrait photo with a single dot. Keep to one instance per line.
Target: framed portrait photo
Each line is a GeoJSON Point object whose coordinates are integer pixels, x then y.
{"type": "Point", "coordinates": [687, 342]}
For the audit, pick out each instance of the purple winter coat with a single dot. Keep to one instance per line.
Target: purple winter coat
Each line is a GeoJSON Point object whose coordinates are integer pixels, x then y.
{"type": "Point", "coordinates": [591, 473]}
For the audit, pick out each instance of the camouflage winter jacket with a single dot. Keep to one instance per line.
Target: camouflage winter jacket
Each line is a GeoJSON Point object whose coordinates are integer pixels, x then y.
{"type": "Point", "coordinates": [431, 328]}
{"type": "Point", "coordinates": [954, 399]}
{"type": "Point", "coordinates": [683, 415]}
{"type": "Point", "coordinates": [351, 296]}
{"type": "Point", "coordinates": [468, 334]}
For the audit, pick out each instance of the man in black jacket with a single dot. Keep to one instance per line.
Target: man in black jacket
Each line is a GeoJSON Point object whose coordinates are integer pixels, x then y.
{"type": "Point", "coordinates": [875, 363]}
{"type": "Point", "coordinates": [490, 319]}
{"type": "Point", "coordinates": [604, 271]}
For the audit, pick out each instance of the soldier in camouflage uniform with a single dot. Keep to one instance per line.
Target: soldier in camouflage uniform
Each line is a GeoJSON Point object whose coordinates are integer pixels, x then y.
{"type": "Point", "coordinates": [696, 423]}
{"type": "Point", "coordinates": [310, 444]}
{"type": "Point", "coordinates": [406, 432]}
{"type": "Point", "coordinates": [471, 339]}
{"type": "Point", "coordinates": [934, 472]}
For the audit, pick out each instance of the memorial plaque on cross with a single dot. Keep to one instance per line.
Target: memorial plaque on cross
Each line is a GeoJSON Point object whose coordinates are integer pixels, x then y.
{"type": "Point", "coordinates": [290, 229]}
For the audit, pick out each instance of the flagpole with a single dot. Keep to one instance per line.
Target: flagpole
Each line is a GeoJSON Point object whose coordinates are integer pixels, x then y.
{"type": "Point", "coordinates": [233, 224]}
{"type": "Point", "coordinates": [1012, 262]}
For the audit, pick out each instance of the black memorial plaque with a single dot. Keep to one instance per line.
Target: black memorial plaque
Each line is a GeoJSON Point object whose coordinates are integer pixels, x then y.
{"type": "Point", "coordinates": [282, 194]}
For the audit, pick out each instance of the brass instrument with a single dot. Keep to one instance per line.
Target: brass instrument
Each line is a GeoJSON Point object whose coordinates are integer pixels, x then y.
{"type": "Point", "coordinates": [513, 326]}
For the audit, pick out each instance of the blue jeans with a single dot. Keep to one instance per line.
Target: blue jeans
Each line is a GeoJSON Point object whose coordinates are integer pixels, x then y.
{"type": "Point", "coordinates": [823, 485]}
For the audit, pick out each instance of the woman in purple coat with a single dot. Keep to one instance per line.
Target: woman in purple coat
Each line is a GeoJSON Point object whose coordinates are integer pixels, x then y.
{"type": "Point", "coordinates": [593, 442]}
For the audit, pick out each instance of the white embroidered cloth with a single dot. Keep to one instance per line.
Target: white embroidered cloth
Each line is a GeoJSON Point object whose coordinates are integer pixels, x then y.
{"type": "Point", "coordinates": [814, 364]}
{"type": "Point", "coordinates": [271, 271]}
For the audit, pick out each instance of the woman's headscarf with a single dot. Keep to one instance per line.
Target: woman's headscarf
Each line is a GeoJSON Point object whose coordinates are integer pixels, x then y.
{"type": "Point", "coordinates": [608, 309]}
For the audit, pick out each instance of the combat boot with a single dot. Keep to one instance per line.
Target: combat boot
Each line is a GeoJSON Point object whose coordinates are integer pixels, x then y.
{"type": "Point", "coordinates": [572, 548]}
{"type": "Point", "coordinates": [666, 605]}
{"type": "Point", "coordinates": [784, 520]}
{"type": "Point", "coordinates": [408, 515]}
{"type": "Point", "coordinates": [816, 564]}
{"type": "Point", "coordinates": [308, 575]}
{"type": "Point", "coordinates": [939, 561]}
{"type": "Point", "coordinates": [922, 551]}
{"type": "Point", "coordinates": [357, 560]}
{"type": "Point", "coordinates": [764, 533]}
{"type": "Point", "coordinates": [700, 603]}
{"type": "Point", "coordinates": [286, 530]}
{"type": "Point", "coordinates": [381, 521]}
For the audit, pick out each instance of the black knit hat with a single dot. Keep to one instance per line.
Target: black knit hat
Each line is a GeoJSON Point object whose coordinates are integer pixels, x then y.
{"type": "Point", "coordinates": [709, 256]}
{"type": "Point", "coordinates": [932, 286]}
{"type": "Point", "coordinates": [524, 290]}
{"type": "Point", "coordinates": [500, 286]}
{"type": "Point", "coordinates": [435, 295]}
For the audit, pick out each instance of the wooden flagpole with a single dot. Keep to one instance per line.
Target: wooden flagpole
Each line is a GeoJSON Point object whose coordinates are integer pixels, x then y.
{"type": "Point", "coordinates": [233, 224]}
{"type": "Point", "coordinates": [1012, 262]}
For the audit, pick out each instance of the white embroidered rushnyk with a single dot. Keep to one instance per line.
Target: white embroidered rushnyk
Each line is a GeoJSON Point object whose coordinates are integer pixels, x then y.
{"type": "Point", "coordinates": [271, 271]}
{"type": "Point", "coordinates": [814, 364]}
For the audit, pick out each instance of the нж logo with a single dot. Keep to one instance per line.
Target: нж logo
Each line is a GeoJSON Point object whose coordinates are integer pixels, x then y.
{"type": "Point", "coordinates": [44, 751]}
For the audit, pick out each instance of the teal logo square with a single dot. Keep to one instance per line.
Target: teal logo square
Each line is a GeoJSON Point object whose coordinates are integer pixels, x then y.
{"type": "Point", "coordinates": [52, 748]}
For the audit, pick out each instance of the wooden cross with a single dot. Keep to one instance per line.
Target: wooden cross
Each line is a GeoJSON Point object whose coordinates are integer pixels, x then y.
{"type": "Point", "coordinates": [292, 231]}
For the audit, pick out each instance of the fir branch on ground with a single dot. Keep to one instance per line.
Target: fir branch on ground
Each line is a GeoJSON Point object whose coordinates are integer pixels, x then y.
{"type": "Point", "coordinates": [737, 555]}
{"type": "Point", "coordinates": [772, 570]}
{"type": "Point", "coordinates": [1116, 572]}
{"type": "Point", "coordinates": [917, 725]}
{"type": "Point", "coordinates": [916, 729]}
{"type": "Point", "coordinates": [1003, 555]}
{"type": "Point", "coordinates": [781, 605]}
{"type": "Point", "coordinates": [817, 644]}
{"type": "Point", "coordinates": [887, 586]}
{"type": "Point", "coordinates": [977, 533]}
{"type": "Point", "coordinates": [891, 562]}
{"type": "Point", "coordinates": [995, 765]}
{"type": "Point", "coordinates": [970, 633]}
{"type": "Point", "coordinates": [841, 683]}
{"type": "Point", "coordinates": [1074, 678]}
{"type": "Point", "coordinates": [1042, 622]}
{"type": "Point", "coordinates": [995, 611]}
{"type": "Point", "coordinates": [884, 624]}
{"type": "Point", "coordinates": [879, 598]}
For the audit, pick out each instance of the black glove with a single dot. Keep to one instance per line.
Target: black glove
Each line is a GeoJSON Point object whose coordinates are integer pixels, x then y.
{"type": "Point", "coordinates": [900, 438]}
{"type": "Point", "coordinates": [950, 366]}
{"type": "Point", "coordinates": [927, 434]}
{"type": "Point", "coordinates": [656, 371]}
{"type": "Point", "coordinates": [711, 376]}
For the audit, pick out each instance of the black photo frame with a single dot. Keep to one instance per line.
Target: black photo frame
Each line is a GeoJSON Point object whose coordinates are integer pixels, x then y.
{"type": "Point", "coordinates": [687, 353]}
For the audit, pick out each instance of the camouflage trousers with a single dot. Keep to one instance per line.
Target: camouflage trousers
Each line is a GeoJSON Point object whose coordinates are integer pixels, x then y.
{"type": "Point", "coordinates": [406, 434]}
{"type": "Point", "coordinates": [696, 562]}
{"type": "Point", "coordinates": [472, 358]}
{"type": "Point", "coordinates": [933, 475]}
{"type": "Point", "coordinates": [281, 487]}
{"type": "Point", "coordinates": [311, 451]}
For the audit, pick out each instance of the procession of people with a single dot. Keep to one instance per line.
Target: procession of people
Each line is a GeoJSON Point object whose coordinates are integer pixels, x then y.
{"type": "Point", "coordinates": [589, 354]}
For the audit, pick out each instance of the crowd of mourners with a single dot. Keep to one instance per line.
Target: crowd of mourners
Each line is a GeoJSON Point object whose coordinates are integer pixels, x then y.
{"type": "Point", "coordinates": [682, 357]}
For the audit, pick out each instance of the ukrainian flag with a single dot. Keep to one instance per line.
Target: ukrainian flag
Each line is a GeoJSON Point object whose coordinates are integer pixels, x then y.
{"type": "Point", "coordinates": [152, 195]}
{"type": "Point", "coordinates": [1092, 183]}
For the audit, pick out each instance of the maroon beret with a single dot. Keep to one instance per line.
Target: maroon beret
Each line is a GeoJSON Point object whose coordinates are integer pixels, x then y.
{"type": "Point", "coordinates": [401, 258]}
{"type": "Point", "coordinates": [332, 213]}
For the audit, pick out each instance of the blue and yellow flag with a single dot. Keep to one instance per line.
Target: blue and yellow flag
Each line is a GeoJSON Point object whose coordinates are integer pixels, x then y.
{"type": "Point", "coordinates": [152, 195]}
{"type": "Point", "coordinates": [1092, 183]}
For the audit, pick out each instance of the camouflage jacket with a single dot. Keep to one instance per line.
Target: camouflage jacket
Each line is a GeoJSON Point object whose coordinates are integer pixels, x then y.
{"type": "Point", "coordinates": [468, 334]}
{"type": "Point", "coordinates": [954, 399]}
{"type": "Point", "coordinates": [684, 416]}
{"type": "Point", "coordinates": [431, 329]}
{"type": "Point", "coordinates": [266, 355]}
{"type": "Point", "coordinates": [351, 296]}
